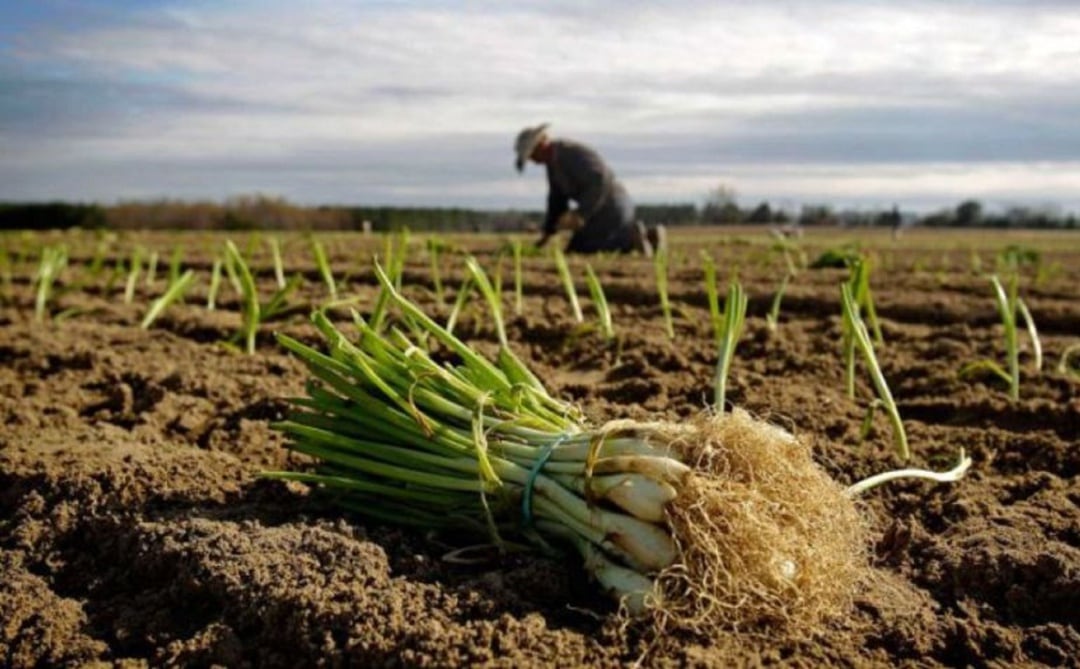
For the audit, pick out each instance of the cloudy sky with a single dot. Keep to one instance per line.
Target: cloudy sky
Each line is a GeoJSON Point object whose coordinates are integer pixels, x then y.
{"type": "Point", "coordinates": [326, 101]}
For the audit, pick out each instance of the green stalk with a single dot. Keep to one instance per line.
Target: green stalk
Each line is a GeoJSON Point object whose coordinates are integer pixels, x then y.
{"type": "Point", "coordinates": [660, 268]}
{"type": "Point", "coordinates": [1036, 344]}
{"type": "Point", "coordinates": [854, 323]}
{"type": "Point", "coordinates": [515, 247]}
{"type": "Point", "coordinates": [860, 287]}
{"type": "Point", "coordinates": [1006, 303]}
{"type": "Point", "coordinates": [174, 292]}
{"type": "Point", "coordinates": [773, 317]}
{"type": "Point", "coordinates": [98, 261]}
{"type": "Point", "coordinates": [603, 312]}
{"type": "Point", "coordinates": [215, 284]}
{"type": "Point", "coordinates": [279, 266]}
{"type": "Point", "coordinates": [175, 260]}
{"type": "Point", "coordinates": [324, 268]}
{"type": "Point", "coordinates": [53, 261]}
{"type": "Point", "coordinates": [730, 331]}
{"type": "Point", "coordinates": [459, 303]}
{"type": "Point", "coordinates": [250, 298]}
{"type": "Point", "coordinates": [568, 284]}
{"type": "Point", "coordinates": [436, 275]}
{"type": "Point", "coordinates": [713, 295]}
{"type": "Point", "coordinates": [151, 269]}
{"type": "Point", "coordinates": [134, 265]}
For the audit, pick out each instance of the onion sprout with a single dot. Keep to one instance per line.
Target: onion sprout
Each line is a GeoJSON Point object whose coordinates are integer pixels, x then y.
{"type": "Point", "coordinates": [568, 284]}
{"type": "Point", "coordinates": [433, 246]}
{"type": "Point", "coordinates": [173, 293]}
{"type": "Point", "coordinates": [730, 331]}
{"type": "Point", "coordinates": [53, 261]}
{"type": "Point", "coordinates": [712, 294]}
{"type": "Point", "coordinates": [515, 249]}
{"type": "Point", "coordinates": [215, 284]}
{"type": "Point", "coordinates": [249, 295]}
{"type": "Point", "coordinates": [861, 339]}
{"type": "Point", "coordinates": [134, 266]}
{"type": "Point", "coordinates": [279, 267]}
{"type": "Point", "coordinates": [325, 271]}
{"type": "Point", "coordinates": [603, 312]}
{"type": "Point", "coordinates": [773, 317]}
{"type": "Point", "coordinates": [660, 268]}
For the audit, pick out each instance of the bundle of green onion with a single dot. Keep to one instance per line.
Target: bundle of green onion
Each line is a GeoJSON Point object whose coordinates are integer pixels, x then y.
{"type": "Point", "coordinates": [672, 519]}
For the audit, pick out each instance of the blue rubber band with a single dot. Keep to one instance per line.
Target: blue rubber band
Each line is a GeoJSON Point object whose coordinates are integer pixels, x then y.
{"type": "Point", "coordinates": [526, 495]}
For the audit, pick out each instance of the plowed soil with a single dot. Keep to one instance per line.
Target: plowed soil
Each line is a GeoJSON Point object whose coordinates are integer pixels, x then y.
{"type": "Point", "coordinates": [135, 530]}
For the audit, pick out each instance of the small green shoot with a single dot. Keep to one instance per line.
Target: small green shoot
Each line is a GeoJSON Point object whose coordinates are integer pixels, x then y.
{"type": "Point", "coordinates": [395, 267]}
{"type": "Point", "coordinates": [279, 266]}
{"type": "Point", "coordinates": [53, 261]}
{"type": "Point", "coordinates": [459, 303]}
{"type": "Point", "coordinates": [1033, 334]}
{"type": "Point", "coordinates": [215, 285]}
{"type": "Point", "coordinates": [854, 324]}
{"type": "Point", "coordinates": [173, 293]}
{"type": "Point", "coordinates": [603, 312]}
{"type": "Point", "coordinates": [151, 269]}
{"type": "Point", "coordinates": [859, 281]}
{"type": "Point", "coordinates": [250, 298]}
{"type": "Point", "coordinates": [515, 248]}
{"type": "Point", "coordinates": [660, 268]}
{"type": "Point", "coordinates": [568, 284]}
{"type": "Point", "coordinates": [134, 266]}
{"type": "Point", "coordinates": [1009, 304]}
{"type": "Point", "coordinates": [175, 261]}
{"type": "Point", "coordinates": [324, 268]}
{"type": "Point", "coordinates": [772, 319]}
{"type": "Point", "coordinates": [713, 295]}
{"type": "Point", "coordinates": [433, 247]}
{"type": "Point", "coordinates": [730, 331]}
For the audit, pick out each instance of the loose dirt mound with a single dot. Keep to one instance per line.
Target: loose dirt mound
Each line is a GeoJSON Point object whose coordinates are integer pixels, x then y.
{"type": "Point", "coordinates": [134, 528]}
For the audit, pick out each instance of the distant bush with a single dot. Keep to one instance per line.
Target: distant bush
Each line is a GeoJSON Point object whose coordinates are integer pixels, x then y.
{"type": "Point", "coordinates": [42, 216]}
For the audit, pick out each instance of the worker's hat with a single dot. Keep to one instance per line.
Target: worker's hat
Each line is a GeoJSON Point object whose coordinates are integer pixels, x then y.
{"type": "Point", "coordinates": [527, 140]}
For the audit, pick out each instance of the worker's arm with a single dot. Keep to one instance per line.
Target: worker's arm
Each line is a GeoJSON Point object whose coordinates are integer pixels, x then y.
{"type": "Point", "coordinates": [557, 205]}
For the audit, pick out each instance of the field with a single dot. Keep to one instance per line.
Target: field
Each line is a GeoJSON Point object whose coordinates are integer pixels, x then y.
{"type": "Point", "coordinates": [134, 528]}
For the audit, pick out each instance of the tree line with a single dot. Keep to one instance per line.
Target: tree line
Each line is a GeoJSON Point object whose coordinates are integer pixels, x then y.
{"type": "Point", "coordinates": [274, 213]}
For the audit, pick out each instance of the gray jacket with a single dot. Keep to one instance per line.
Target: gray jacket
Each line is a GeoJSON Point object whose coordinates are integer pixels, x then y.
{"type": "Point", "coordinates": [577, 172]}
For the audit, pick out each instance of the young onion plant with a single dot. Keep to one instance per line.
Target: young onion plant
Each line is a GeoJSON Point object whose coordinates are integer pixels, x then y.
{"type": "Point", "coordinates": [568, 284]}
{"type": "Point", "coordinates": [252, 310]}
{"type": "Point", "coordinates": [53, 261]}
{"type": "Point", "coordinates": [675, 520]}
{"type": "Point", "coordinates": [860, 338]}
{"type": "Point", "coordinates": [600, 303]}
{"type": "Point", "coordinates": [515, 249]}
{"type": "Point", "coordinates": [772, 319]}
{"type": "Point", "coordinates": [174, 293]}
{"type": "Point", "coordinates": [660, 268]}
{"type": "Point", "coordinates": [1009, 305]}
{"type": "Point", "coordinates": [134, 266]}
{"type": "Point", "coordinates": [712, 294]}
{"type": "Point", "coordinates": [325, 270]}
{"type": "Point", "coordinates": [731, 326]}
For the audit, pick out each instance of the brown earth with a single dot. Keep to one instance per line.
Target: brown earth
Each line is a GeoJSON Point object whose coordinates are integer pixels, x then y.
{"type": "Point", "coordinates": [134, 529]}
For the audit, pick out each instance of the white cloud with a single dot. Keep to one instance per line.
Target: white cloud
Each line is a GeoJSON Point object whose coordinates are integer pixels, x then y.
{"type": "Point", "coordinates": [426, 97]}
